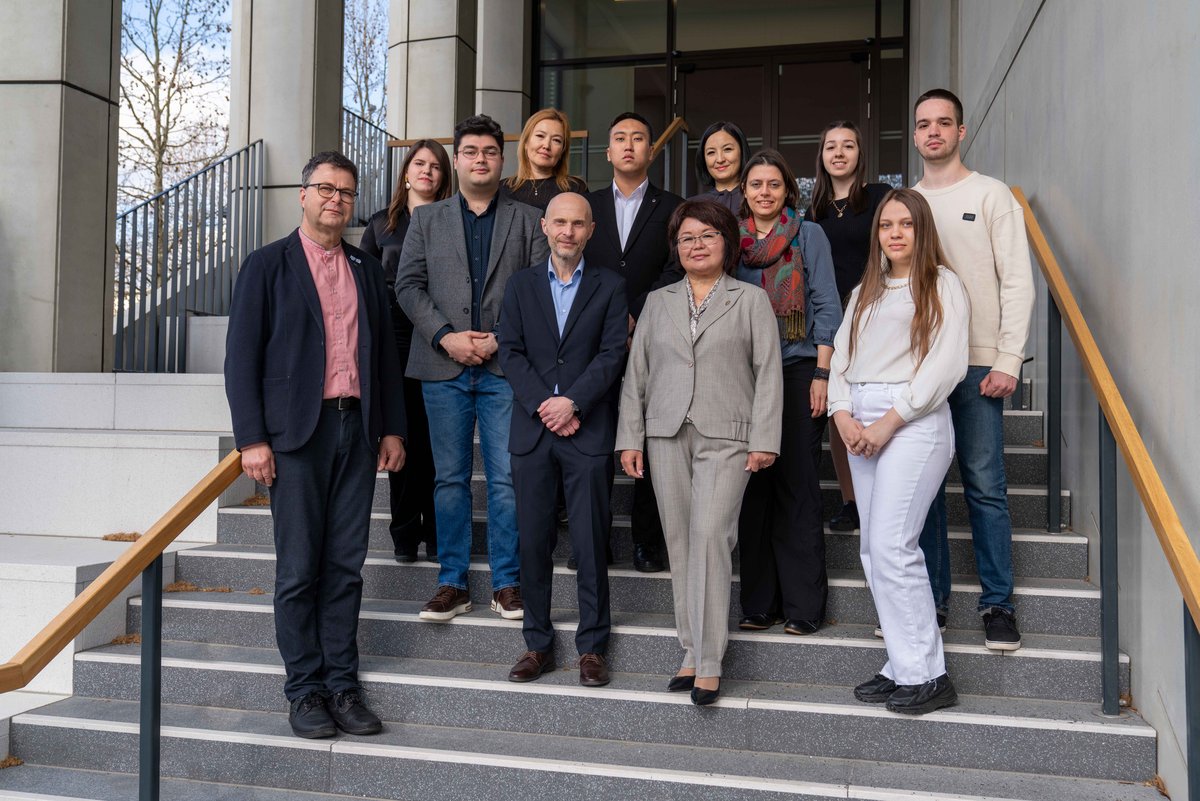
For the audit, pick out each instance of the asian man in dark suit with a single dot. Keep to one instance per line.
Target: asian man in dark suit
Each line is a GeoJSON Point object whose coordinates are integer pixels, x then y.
{"type": "Point", "coordinates": [631, 237]}
{"type": "Point", "coordinates": [317, 403]}
{"type": "Point", "coordinates": [562, 348]}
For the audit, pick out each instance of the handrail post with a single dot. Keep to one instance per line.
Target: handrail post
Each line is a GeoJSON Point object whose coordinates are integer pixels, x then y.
{"type": "Point", "coordinates": [151, 694]}
{"type": "Point", "coordinates": [1109, 644]}
{"type": "Point", "coordinates": [1054, 420]}
{"type": "Point", "coordinates": [1191, 684]}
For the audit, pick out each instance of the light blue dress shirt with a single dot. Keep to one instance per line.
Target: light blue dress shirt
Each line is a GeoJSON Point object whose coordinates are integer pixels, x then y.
{"type": "Point", "coordinates": [563, 295]}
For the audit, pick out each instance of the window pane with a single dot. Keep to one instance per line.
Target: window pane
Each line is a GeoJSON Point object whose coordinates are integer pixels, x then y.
{"type": "Point", "coordinates": [893, 114]}
{"type": "Point", "coordinates": [891, 18]}
{"type": "Point", "coordinates": [592, 96]}
{"type": "Point", "coordinates": [720, 24]}
{"type": "Point", "coordinates": [591, 28]}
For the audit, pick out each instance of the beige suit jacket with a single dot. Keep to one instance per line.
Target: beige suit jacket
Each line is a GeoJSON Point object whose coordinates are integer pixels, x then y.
{"type": "Point", "coordinates": [730, 381]}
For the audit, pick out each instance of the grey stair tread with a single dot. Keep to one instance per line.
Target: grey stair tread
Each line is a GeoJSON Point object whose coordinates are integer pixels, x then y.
{"type": "Point", "coordinates": [559, 755]}
{"type": "Point", "coordinates": [43, 781]}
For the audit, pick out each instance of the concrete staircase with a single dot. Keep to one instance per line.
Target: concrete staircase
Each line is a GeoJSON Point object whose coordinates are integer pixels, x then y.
{"type": "Point", "coordinates": [787, 726]}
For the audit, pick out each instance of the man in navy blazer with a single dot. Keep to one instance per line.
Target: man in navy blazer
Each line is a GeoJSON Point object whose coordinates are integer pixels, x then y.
{"type": "Point", "coordinates": [562, 348]}
{"type": "Point", "coordinates": [317, 401]}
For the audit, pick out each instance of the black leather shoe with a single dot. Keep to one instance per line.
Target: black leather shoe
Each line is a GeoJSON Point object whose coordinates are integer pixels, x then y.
{"type": "Point", "coordinates": [406, 556]}
{"type": "Point", "coordinates": [847, 519]}
{"type": "Point", "coordinates": [681, 684]}
{"type": "Point", "coordinates": [647, 560]}
{"type": "Point", "coordinates": [351, 714]}
{"type": "Point", "coordinates": [572, 562]}
{"type": "Point", "coordinates": [310, 719]}
{"type": "Point", "coordinates": [702, 697]}
{"type": "Point", "coordinates": [875, 691]}
{"type": "Point", "coordinates": [759, 622]}
{"type": "Point", "coordinates": [919, 699]}
{"type": "Point", "coordinates": [802, 627]}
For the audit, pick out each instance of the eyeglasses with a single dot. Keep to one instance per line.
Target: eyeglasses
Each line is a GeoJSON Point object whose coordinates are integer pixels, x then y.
{"type": "Point", "coordinates": [708, 238]}
{"type": "Point", "coordinates": [472, 153]}
{"type": "Point", "coordinates": [328, 190]}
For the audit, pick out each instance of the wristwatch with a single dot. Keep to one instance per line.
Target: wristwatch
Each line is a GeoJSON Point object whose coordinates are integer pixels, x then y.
{"type": "Point", "coordinates": [575, 408]}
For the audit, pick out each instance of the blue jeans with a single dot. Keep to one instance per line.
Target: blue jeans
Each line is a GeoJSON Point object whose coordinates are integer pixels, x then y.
{"type": "Point", "coordinates": [453, 407]}
{"type": "Point", "coordinates": [979, 442]}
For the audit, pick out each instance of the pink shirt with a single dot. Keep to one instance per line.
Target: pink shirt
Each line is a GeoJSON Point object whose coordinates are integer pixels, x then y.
{"type": "Point", "coordinates": [339, 310]}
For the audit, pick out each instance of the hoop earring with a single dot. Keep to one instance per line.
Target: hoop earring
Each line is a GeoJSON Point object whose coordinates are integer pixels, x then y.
{"type": "Point", "coordinates": [883, 262]}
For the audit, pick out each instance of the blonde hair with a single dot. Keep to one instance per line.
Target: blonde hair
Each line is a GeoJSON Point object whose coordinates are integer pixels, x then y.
{"type": "Point", "coordinates": [525, 169]}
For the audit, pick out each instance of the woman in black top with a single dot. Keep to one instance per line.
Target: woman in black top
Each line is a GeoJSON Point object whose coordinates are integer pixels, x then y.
{"type": "Point", "coordinates": [424, 178]}
{"type": "Point", "coordinates": [719, 159]}
{"type": "Point", "coordinates": [844, 204]}
{"type": "Point", "coordinates": [543, 157]}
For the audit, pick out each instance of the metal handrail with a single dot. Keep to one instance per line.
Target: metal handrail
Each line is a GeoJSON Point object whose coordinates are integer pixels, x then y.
{"type": "Point", "coordinates": [1117, 433]}
{"type": "Point", "coordinates": [365, 143]}
{"type": "Point", "coordinates": [177, 254]}
{"type": "Point", "coordinates": [667, 142]}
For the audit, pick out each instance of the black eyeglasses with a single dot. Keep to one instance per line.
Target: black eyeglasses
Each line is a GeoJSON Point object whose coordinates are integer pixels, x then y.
{"type": "Point", "coordinates": [328, 190]}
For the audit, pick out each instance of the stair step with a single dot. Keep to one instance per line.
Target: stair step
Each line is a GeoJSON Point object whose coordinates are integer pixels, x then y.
{"type": "Point", "coordinates": [745, 742]}
{"type": "Point", "coordinates": [1051, 606]}
{"type": "Point", "coordinates": [1047, 666]}
{"type": "Point", "coordinates": [1035, 554]}
{"type": "Point", "coordinates": [43, 783]}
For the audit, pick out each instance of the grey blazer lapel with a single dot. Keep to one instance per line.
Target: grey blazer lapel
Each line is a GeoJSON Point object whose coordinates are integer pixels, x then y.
{"type": "Point", "coordinates": [727, 295]}
{"type": "Point", "coordinates": [504, 218]}
{"type": "Point", "coordinates": [677, 310]}
{"type": "Point", "coordinates": [451, 223]}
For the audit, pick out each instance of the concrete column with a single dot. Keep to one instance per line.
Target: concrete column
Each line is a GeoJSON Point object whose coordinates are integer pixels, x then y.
{"type": "Point", "coordinates": [59, 82]}
{"type": "Point", "coordinates": [503, 64]}
{"type": "Point", "coordinates": [431, 65]}
{"type": "Point", "coordinates": [286, 68]}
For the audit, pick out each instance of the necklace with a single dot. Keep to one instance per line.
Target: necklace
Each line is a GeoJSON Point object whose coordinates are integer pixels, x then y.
{"type": "Point", "coordinates": [840, 209]}
{"type": "Point", "coordinates": [894, 287]}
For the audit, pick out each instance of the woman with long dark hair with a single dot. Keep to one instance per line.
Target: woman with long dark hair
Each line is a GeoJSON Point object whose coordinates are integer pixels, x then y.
{"type": "Point", "coordinates": [424, 178]}
{"type": "Point", "coordinates": [900, 351]}
{"type": "Point", "coordinates": [781, 537]}
{"type": "Point", "coordinates": [844, 204]}
{"type": "Point", "coordinates": [543, 161]}
{"type": "Point", "coordinates": [719, 159]}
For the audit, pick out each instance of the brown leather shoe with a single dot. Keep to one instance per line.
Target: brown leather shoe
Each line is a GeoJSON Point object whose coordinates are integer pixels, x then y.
{"type": "Point", "coordinates": [446, 603]}
{"type": "Point", "coordinates": [593, 670]}
{"type": "Point", "coordinates": [531, 665]}
{"type": "Point", "coordinates": [507, 603]}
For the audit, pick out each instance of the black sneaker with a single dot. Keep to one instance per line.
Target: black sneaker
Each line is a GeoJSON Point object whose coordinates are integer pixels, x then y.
{"type": "Point", "coordinates": [351, 714]}
{"type": "Point", "coordinates": [919, 699]}
{"type": "Point", "coordinates": [875, 691]}
{"type": "Point", "coordinates": [310, 719]}
{"type": "Point", "coordinates": [847, 519]}
{"type": "Point", "coordinates": [1000, 630]}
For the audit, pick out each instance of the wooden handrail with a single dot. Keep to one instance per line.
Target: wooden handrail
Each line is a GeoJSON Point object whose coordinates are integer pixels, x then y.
{"type": "Point", "coordinates": [1167, 525]}
{"type": "Point", "coordinates": [72, 620]}
{"type": "Point", "coordinates": [447, 140]}
{"type": "Point", "coordinates": [678, 124]}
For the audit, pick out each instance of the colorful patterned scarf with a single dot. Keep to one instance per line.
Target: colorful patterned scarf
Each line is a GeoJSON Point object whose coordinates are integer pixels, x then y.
{"type": "Point", "coordinates": [782, 270]}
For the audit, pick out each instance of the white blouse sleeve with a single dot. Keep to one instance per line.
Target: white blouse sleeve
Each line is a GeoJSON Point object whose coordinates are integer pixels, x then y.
{"type": "Point", "coordinates": [839, 388]}
{"type": "Point", "coordinates": [946, 363]}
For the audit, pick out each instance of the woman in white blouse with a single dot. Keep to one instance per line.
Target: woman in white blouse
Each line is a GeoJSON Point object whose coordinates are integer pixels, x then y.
{"type": "Point", "coordinates": [901, 349]}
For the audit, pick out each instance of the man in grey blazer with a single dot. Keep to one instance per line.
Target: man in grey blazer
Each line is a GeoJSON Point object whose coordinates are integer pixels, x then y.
{"type": "Point", "coordinates": [457, 258]}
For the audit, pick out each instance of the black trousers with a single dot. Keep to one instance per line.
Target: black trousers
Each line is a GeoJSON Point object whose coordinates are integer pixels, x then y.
{"type": "Point", "coordinates": [411, 489]}
{"type": "Point", "coordinates": [781, 535]}
{"type": "Point", "coordinates": [586, 482]}
{"type": "Point", "coordinates": [321, 507]}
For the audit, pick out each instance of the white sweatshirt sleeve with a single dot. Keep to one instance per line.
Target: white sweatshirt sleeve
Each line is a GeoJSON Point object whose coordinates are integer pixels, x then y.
{"type": "Point", "coordinates": [946, 363]}
{"type": "Point", "coordinates": [1014, 273]}
{"type": "Point", "coordinates": [839, 388]}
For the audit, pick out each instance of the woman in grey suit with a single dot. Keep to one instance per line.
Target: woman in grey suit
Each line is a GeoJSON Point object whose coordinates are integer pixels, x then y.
{"type": "Point", "coordinates": [703, 395]}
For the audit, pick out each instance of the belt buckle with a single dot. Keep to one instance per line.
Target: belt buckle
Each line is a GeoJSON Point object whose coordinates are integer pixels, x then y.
{"type": "Point", "coordinates": [341, 399]}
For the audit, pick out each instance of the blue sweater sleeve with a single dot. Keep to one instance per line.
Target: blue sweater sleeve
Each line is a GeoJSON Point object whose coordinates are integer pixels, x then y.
{"type": "Point", "coordinates": [824, 308]}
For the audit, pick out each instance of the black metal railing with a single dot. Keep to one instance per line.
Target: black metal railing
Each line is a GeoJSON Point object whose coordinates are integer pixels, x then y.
{"type": "Point", "coordinates": [365, 143]}
{"type": "Point", "coordinates": [177, 255]}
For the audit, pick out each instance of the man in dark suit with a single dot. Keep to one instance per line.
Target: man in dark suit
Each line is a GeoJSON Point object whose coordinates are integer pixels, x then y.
{"type": "Point", "coordinates": [631, 237]}
{"type": "Point", "coordinates": [562, 347]}
{"type": "Point", "coordinates": [458, 256]}
{"type": "Point", "coordinates": [315, 393]}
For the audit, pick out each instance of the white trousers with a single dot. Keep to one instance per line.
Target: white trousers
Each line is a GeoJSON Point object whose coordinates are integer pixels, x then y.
{"type": "Point", "coordinates": [894, 489]}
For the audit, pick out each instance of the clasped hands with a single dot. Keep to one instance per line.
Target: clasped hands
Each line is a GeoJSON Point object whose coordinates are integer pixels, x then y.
{"type": "Point", "coordinates": [469, 347]}
{"type": "Point", "coordinates": [866, 441]}
{"type": "Point", "coordinates": [558, 415]}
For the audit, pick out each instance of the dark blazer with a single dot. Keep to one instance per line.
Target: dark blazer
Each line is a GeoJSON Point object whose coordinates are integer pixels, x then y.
{"type": "Point", "coordinates": [433, 282]}
{"type": "Point", "coordinates": [645, 263]}
{"type": "Point", "coordinates": [275, 349]}
{"type": "Point", "coordinates": [585, 363]}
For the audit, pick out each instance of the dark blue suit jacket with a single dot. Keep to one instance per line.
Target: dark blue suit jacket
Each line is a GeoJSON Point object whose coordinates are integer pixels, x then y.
{"type": "Point", "coordinates": [585, 363]}
{"type": "Point", "coordinates": [275, 349]}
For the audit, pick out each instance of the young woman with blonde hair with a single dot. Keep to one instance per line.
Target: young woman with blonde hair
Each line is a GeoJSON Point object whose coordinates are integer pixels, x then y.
{"type": "Point", "coordinates": [900, 351]}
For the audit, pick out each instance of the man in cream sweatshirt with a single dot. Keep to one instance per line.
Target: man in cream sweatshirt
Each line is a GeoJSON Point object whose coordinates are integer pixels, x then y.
{"type": "Point", "coordinates": [982, 230]}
